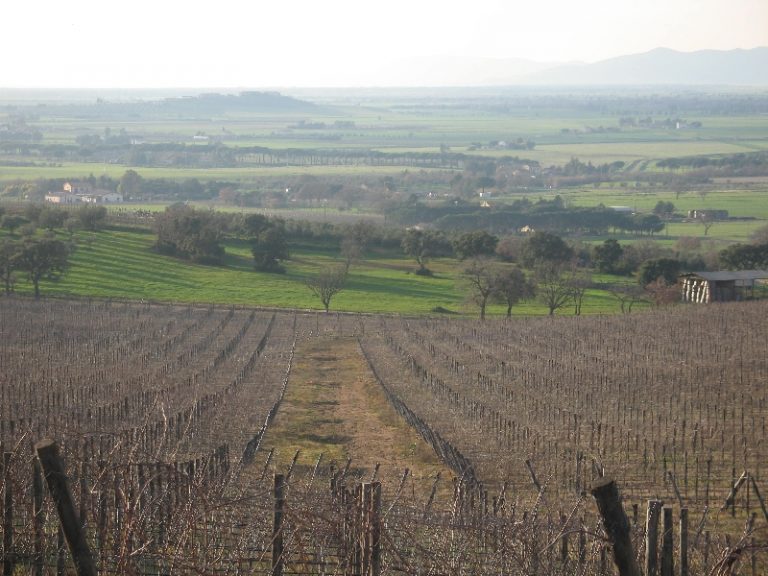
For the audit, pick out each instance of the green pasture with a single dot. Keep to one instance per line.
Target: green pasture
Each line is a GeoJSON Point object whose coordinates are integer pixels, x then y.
{"type": "Point", "coordinates": [317, 214]}
{"type": "Point", "coordinates": [79, 170]}
{"type": "Point", "coordinates": [723, 233]}
{"type": "Point", "coordinates": [121, 264]}
{"type": "Point", "coordinates": [396, 127]}
{"type": "Point", "coordinates": [740, 202]}
{"type": "Point", "coordinates": [629, 151]}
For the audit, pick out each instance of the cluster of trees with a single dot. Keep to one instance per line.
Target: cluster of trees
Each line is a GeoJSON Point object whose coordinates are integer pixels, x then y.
{"type": "Point", "coordinates": [743, 163]}
{"type": "Point", "coordinates": [664, 210]}
{"type": "Point", "coordinates": [190, 234]}
{"type": "Point", "coordinates": [131, 184]}
{"type": "Point", "coordinates": [17, 130]}
{"type": "Point", "coordinates": [269, 243]}
{"type": "Point", "coordinates": [652, 264]}
{"type": "Point", "coordinates": [421, 245]}
{"type": "Point", "coordinates": [38, 258]}
{"type": "Point", "coordinates": [490, 282]}
{"type": "Point", "coordinates": [30, 246]}
{"type": "Point", "coordinates": [198, 235]}
{"type": "Point", "coordinates": [561, 273]}
{"type": "Point", "coordinates": [543, 249]}
{"type": "Point", "coordinates": [86, 217]}
{"type": "Point", "coordinates": [611, 257]}
{"type": "Point", "coordinates": [550, 215]}
{"type": "Point", "coordinates": [745, 257]}
{"type": "Point", "coordinates": [135, 187]}
{"type": "Point", "coordinates": [557, 278]}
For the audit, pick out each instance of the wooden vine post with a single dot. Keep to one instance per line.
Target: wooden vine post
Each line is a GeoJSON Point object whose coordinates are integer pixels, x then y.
{"type": "Point", "coordinates": [38, 518]}
{"type": "Point", "coordinates": [370, 538]}
{"type": "Point", "coordinates": [277, 532]}
{"type": "Point", "coordinates": [667, 543]}
{"type": "Point", "coordinates": [71, 526]}
{"type": "Point", "coordinates": [616, 524]}
{"type": "Point", "coordinates": [8, 553]}
{"type": "Point", "coordinates": [684, 542]}
{"type": "Point", "coordinates": [652, 537]}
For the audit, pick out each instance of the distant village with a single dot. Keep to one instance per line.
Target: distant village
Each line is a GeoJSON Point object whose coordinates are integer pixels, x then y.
{"type": "Point", "coordinates": [83, 194]}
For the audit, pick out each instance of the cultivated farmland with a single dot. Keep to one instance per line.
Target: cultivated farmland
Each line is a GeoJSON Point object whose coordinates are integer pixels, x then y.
{"type": "Point", "coordinates": [173, 421]}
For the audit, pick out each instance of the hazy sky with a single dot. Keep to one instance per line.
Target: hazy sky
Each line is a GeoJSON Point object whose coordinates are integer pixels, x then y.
{"type": "Point", "coordinates": [172, 43]}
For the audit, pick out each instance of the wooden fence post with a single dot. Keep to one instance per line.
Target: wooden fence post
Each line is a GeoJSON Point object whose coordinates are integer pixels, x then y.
{"type": "Point", "coordinates": [684, 542]}
{"type": "Point", "coordinates": [277, 532]}
{"type": "Point", "coordinates": [652, 537]}
{"type": "Point", "coordinates": [667, 544]}
{"type": "Point", "coordinates": [8, 556]}
{"type": "Point", "coordinates": [38, 517]}
{"type": "Point", "coordinates": [616, 524]}
{"type": "Point", "coordinates": [759, 497]}
{"type": "Point", "coordinates": [56, 478]}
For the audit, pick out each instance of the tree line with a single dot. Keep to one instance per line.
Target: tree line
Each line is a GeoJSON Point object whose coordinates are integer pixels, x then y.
{"type": "Point", "coordinates": [551, 215]}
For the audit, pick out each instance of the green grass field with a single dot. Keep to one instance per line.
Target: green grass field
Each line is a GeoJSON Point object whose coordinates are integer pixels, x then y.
{"type": "Point", "coordinates": [121, 264]}
{"type": "Point", "coordinates": [628, 151]}
{"type": "Point", "coordinates": [81, 170]}
{"type": "Point", "coordinates": [400, 125]}
{"type": "Point", "coordinates": [740, 202]}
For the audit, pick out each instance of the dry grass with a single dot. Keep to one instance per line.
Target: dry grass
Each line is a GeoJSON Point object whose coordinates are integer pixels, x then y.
{"type": "Point", "coordinates": [334, 407]}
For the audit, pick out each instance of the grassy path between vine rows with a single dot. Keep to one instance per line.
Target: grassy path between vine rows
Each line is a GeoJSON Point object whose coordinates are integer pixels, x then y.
{"type": "Point", "coordinates": [334, 406]}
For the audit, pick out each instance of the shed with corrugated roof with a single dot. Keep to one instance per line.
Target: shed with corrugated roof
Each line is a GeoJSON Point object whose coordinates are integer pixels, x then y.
{"type": "Point", "coordinates": [722, 286]}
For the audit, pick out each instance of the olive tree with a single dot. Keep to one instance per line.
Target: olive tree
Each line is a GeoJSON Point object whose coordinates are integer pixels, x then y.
{"type": "Point", "coordinates": [42, 258]}
{"type": "Point", "coordinates": [511, 286]}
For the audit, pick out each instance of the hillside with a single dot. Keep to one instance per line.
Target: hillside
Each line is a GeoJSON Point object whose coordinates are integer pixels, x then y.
{"type": "Point", "coordinates": [665, 66]}
{"type": "Point", "coordinates": [244, 102]}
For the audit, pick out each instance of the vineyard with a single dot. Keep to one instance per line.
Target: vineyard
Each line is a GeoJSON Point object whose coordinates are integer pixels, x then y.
{"type": "Point", "coordinates": [171, 421]}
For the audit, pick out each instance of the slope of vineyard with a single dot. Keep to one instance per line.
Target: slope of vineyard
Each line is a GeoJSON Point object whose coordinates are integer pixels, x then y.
{"type": "Point", "coordinates": [640, 396]}
{"type": "Point", "coordinates": [173, 420]}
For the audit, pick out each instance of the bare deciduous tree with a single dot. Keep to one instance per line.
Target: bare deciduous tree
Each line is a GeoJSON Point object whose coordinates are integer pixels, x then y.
{"type": "Point", "coordinates": [351, 251]}
{"type": "Point", "coordinates": [662, 292]}
{"type": "Point", "coordinates": [481, 280]}
{"type": "Point", "coordinates": [553, 287]}
{"type": "Point", "coordinates": [627, 296]}
{"type": "Point", "coordinates": [327, 283]}
{"type": "Point", "coordinates": [580, 281]}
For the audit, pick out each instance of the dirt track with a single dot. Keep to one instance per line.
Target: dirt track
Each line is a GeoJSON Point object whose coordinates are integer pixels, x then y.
{"type": "Point", "coordinates": [334, 406]}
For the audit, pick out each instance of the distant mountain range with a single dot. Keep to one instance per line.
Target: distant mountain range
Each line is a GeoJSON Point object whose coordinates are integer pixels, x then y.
{"type": "Point", "coordinates": [665, 66]}
{"type": "Point", "coordinates": [661, 66]}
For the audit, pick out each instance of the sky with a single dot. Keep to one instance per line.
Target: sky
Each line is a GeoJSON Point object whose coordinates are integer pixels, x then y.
{"type": "Point", "coordinates": [291, 43]}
